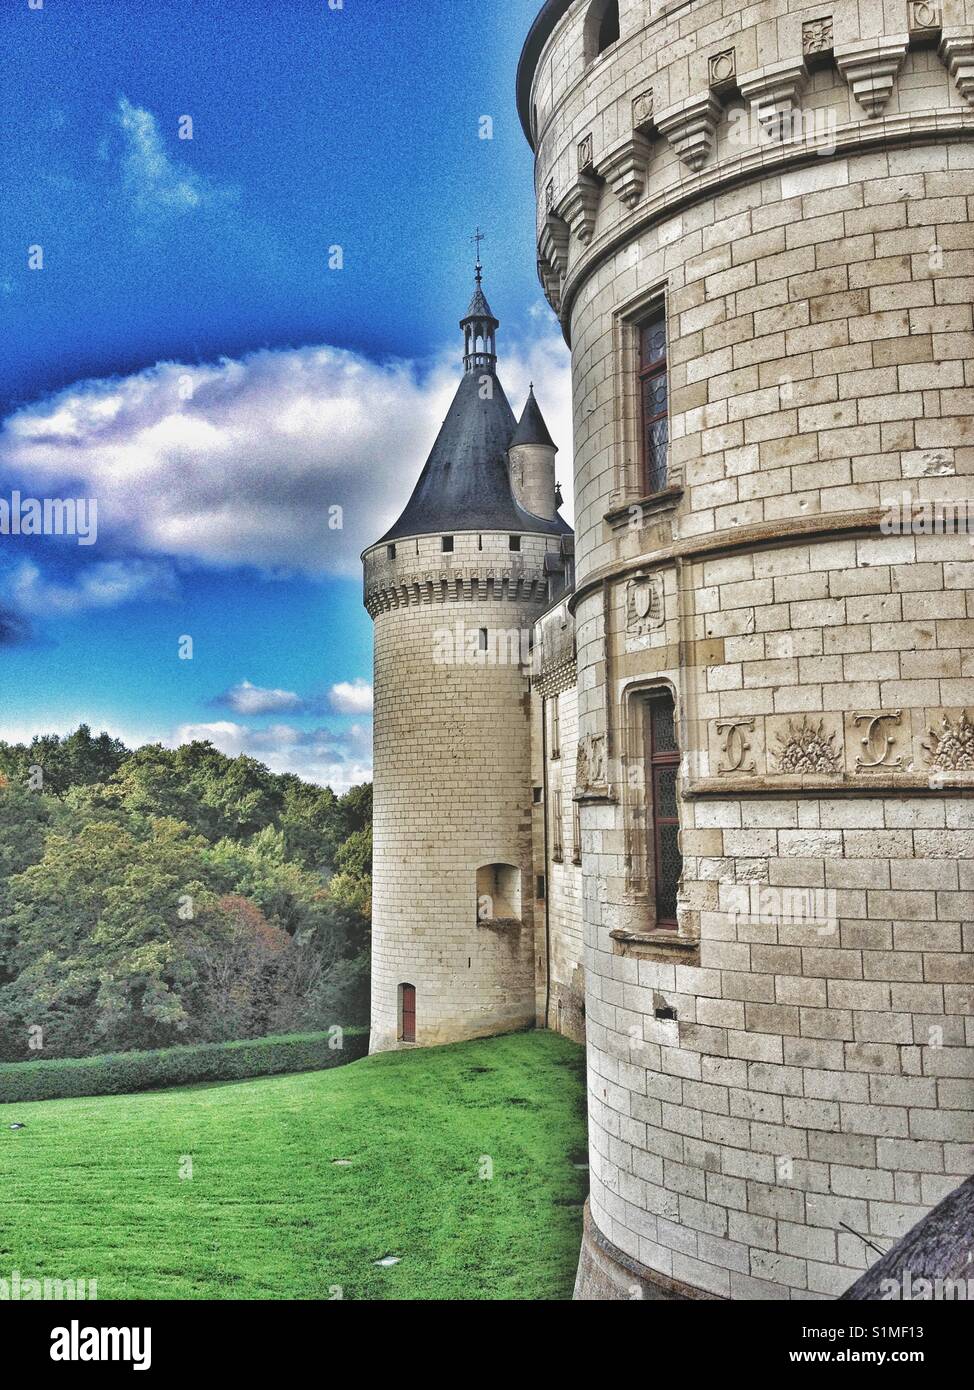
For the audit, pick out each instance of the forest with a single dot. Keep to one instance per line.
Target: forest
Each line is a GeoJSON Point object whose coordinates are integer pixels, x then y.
{"type": "Point", "coordinates": [163, 896]}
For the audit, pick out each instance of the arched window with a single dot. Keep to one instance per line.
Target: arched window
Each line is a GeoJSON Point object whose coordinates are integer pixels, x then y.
{"type": "Point", "coordinates": [498, 893]}
{"type": "Point", "coordinates": [407, 1013]}
{"type": "Point", "coordinates": [601, 28]}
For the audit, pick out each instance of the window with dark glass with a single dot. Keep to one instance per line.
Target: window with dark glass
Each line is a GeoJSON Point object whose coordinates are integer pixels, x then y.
{"type": "Point", "coordinates": [654, 415]}
{"type": "Point", "coordinates": [515, 542]}
{"type": "Point", "coordinates": [447, 545]}
{"type": "Point", "coordinates": [663, 763]}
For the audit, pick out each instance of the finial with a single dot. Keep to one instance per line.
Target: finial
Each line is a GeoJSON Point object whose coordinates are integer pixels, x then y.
{"type": "Point", "coordinates": [477, 238]}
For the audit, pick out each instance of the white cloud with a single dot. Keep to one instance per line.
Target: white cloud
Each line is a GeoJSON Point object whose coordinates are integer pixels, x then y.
{"type": "Point", "coordinates": [102, 585]}
{"type": "Point", "coordinates": [240, 462]}
{"type": "Point", "coordinates": [155, 182]}
{"type": "Point", "coordinates": [249, 699]}
{"type": "Point", "coordinates": [338, 761]}
{"type": "Point", "coordinates": [351, 697]}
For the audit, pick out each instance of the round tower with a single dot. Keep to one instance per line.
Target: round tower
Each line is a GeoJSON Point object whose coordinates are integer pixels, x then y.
{"type": "Point", "coordinates": [756, 230]}
{"type": "Point", "coordinates": [454, 589]}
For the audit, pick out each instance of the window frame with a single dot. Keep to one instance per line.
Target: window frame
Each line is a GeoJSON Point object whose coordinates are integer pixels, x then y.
{"type": "Point", "coordinates": [407, 992]}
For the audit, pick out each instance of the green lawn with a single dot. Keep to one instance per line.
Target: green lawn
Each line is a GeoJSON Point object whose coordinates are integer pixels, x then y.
{"type": "Point", "coordinates": [91, 1188]}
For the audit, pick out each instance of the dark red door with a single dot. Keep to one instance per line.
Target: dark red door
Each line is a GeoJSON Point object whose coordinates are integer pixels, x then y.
{"type": "Point", "coordinates": [408, 1013]}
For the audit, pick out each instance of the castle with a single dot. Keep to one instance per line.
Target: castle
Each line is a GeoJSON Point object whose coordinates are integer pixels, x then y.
{"type": "Point", "coordinates": [696, 782]}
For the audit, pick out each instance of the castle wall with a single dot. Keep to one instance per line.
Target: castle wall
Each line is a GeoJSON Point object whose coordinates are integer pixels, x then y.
{"type": "Point", "coordinates": [452, 783]}
{"type": "Point", "coordinates": [557, 849]}
{"type": "Point", "coordinates": [790, 1070]}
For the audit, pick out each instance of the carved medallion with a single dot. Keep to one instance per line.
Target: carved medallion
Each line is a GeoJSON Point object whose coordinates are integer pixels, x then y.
{"type": "Point", "coordinates": [590, 773]}
{"type": "Point", "coordinates": [644, 605]}
{"type": "Point", "coordinates": [642, 108]}
{"type": "Point", "coordinates": [723, 68]}
{"type": "Point", "coordinates": [585, 154]}
{"type": "Point", "coordinates": [817, 35]}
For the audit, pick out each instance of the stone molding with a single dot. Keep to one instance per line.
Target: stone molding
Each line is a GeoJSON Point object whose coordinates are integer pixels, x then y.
{"type": "Point", "coordinates": [691, 127]}
{"type": "Point", "coordinates": [870, 67]}
{"type": "Point", "coordinates": [471, 584]}
{"type": "Point", "coordinates": [773, 93]}
{"type": "Point", "coordinates": [579, 207]}
{"type": "Point", "coordinates": [957, 52]}
{"type": "Point", "coordinates": [854, 138]}
{"type": "Point", "coordinates": [624, 167]}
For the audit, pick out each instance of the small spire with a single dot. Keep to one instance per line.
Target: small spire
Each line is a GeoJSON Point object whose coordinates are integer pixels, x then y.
{"type": "Point", "coordinates": [479, 324]}
{"type": "Point", "coordinates": [531, 427]}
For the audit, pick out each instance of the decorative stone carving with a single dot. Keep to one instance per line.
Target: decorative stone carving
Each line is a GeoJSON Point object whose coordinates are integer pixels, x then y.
{"type": "Point", "coordinates": [736, 746]}
{"type": "Point", "coordinates": [807, 747]}
{"type": "Point", "coordinates": [877, 741]}
{"type": "Point", "coordinates": [723, 68]}
{"type": "Point", "coordinates": [951, 748]}
{"type": "Point", "coordinates": [642, 109]}
{"type": "Point", "coordinates": [585, 153]}
{"type": "Point", "coordinates": [551, 281]}
{"type": "Point", "coordinates": [691, 126]}
{"type": "Point", "coordinates": [554, 242]}
{"type": "Point", "coordinates": [624, 168]}
{"type": "Point", "coordinates": [957, 52]}
{"type": "Point", "coordinates": [644, 605]}
{"type": "Point", "coordinates": [590, 770]}
{"type": "Point", "coordinates": [774, 94]}
{"type": "Point", "coordinates": [870, 68]}
{"type": "Point", "coordinates": [817, 35]}
{"type": "Point", "coordinates": [925, 18]}
{"type": "Point", "coordinates": [580, 205]}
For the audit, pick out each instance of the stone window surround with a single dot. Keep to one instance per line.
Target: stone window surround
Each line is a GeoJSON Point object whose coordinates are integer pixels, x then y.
{"type": "Point", "coordinates": [642, 937]}
{"type": "Point", "coordinates": [628, 488]}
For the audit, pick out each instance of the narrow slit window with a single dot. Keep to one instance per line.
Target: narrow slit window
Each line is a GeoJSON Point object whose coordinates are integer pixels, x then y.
{"type": "Point", "coordinates": [555, 729]}
{"type": "Point", "coordinates": [653, 395]}
{"type": "Point", "coordinates": [663, 765]}
{"type": "Point", "coordinates": [557, 840]}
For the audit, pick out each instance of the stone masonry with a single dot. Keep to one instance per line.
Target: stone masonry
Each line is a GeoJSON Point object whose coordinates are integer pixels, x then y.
{"type": "Point", "coordinates": [788, 1075]}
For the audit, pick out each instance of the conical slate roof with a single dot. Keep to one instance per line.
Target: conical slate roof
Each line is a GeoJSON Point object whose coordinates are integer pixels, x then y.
{"type": "Point", "coordinates": [479, 308]}
{"type": "Point", "coordinates": [532, 428]}
{"type": "Point", "coordinates": [465, 485]}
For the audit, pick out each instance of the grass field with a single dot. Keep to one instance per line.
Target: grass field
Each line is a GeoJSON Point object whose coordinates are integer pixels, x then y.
{"type": "Point", "coordinates": [92, 1188]}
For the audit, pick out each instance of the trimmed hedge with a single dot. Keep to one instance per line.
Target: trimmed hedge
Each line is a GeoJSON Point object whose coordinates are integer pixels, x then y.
{"type": "Point", "coordinates": [121, 1072]}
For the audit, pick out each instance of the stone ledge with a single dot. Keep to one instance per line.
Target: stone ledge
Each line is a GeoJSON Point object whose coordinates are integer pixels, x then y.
{"type": "Point", "coordinates": [608, 1274]}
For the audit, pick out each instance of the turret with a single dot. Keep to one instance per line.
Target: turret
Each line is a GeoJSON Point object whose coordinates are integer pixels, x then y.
{"type": "Point", "coordinates": [532, 459]}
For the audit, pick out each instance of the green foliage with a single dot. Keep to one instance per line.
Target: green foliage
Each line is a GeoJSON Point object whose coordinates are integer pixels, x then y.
{"type": "Point", "coordinates": [174, 895]}
{"type": "Point", "coordinates": [128, 1072]}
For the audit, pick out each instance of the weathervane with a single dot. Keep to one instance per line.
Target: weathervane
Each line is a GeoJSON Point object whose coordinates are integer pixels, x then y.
{"type": "Point", "coordinates": [478, 237]}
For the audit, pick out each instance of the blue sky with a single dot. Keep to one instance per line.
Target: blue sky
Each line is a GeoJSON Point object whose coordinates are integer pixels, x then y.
{"type": "Point", "coordinates": [191, 355]}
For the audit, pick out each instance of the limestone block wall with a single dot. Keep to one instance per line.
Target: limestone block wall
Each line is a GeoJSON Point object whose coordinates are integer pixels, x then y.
{"type": "Point", "coordinates": [557, 847]}
{"type": "Point", "coordinates": [452, 782]}
{"type": "Point", "coordinates": [790, 1071]}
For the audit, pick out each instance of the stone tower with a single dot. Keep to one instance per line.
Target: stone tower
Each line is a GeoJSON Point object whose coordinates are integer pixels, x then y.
{"type": "Point", "coordinates": [755, 225]}
{"type": "Point", "coordinates": [454, 590]}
